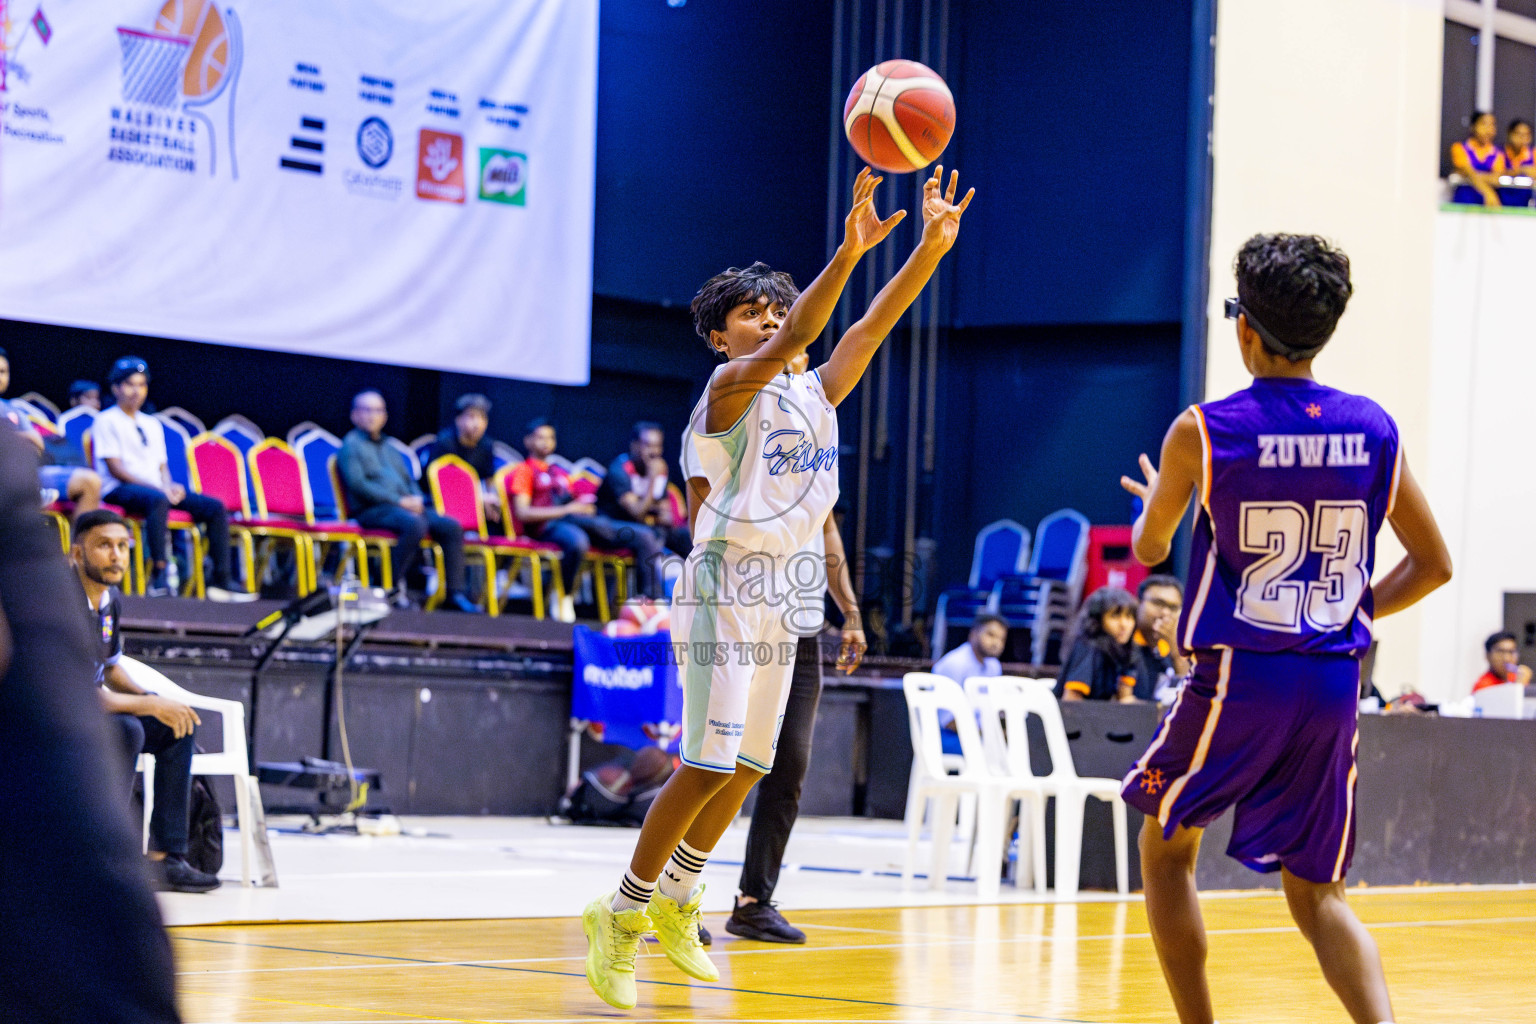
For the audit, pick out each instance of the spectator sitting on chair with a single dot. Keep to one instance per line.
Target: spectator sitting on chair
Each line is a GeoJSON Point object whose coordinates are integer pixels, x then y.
{"type": "Point", "coordinates": [1101, 663]}
{"type": "Point", "coordinates": [148, 724]}
{"type": "Point", "coordinates": [129, 445]}
{"type": "Point", "coordinates": [466, 439]}
{"type": "Point", "coordinates": [70, 480]}
{"type": "Point", "coordinates": [85, 392]}
{"type": "Point", "coordinates": [1480, 161]}
{"type": "Point", "coordinates": [635, 489]}
{"type": "Point", "coordinates": [1159, 600]}
{"type": "Point", "coordinates": [382, 496]}
{"type": "Point", "coordinates": [542, 500]}
{"type": "Point", "coordinates": [1518, 158]}
{"type": "Point", "coordinates": [978, 656]}
{"type": "Point", "coordinates": [1503, 651]}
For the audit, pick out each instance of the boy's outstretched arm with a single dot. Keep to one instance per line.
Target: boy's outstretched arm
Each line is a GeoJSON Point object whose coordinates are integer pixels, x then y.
{"type": "Point", "coordinates": [1165, 494]}
{"type": "Point", "coordinates": [1427, 563]}
{"type": "Point", "coordinates": [941, 223]}
{"type": "Point", "coordinates": [742, 379]}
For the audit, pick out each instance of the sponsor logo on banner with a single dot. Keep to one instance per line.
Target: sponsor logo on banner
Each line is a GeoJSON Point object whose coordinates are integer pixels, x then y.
{"type": "Point", "coordinates": [22, 121]}
{"type": "Point", "coordinates": [440, 166]}
{"type": "Point", "coordinates": [306, 150]}
{"type": "Point", "coordinates": [375, 146]}
{"type": "Point", "coordinates": [179, 78]}
{"type": "Point", "coordinates": [503, 176]}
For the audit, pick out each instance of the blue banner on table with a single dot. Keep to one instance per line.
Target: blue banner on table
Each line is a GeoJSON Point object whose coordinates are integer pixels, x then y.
{"type": "Point", "coordinates": [629, 685]}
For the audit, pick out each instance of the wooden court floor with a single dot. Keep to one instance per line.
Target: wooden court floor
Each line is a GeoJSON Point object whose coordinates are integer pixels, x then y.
{"type": "Point", "coordinates": [1451, 956]}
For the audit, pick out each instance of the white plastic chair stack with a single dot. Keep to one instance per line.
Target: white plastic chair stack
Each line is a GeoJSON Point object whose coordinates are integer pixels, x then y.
{"type": "Point", "coordinates": [1035, 696]}
{"type": "Point", "coordinates": [984, 692]}
{"type": "Point", "coordinates": [231, 761]}
{"type": "Point", "coordinates": [1507, 700]}
{"type": "Point", "coordinates": [927, 694]}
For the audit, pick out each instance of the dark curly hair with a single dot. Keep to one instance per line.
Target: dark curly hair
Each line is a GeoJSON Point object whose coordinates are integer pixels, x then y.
{"type": "Point", "coordinates": [1296, 288]}
{"type": "Point", "coordinates": [730, 288]}
{"type": "Point", "coordinates": [1089, 626]}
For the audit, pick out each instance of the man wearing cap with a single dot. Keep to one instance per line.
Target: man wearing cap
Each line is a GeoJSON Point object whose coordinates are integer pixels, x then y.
{"type": "Point", "coordinates": [465, 438]}
{"type": "Point", "coordinates": [128, 445]}
{"type": "Point", "coordinates": [86, 393]}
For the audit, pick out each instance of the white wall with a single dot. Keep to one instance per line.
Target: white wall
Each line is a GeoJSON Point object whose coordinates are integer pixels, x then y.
{"type": "Point", "coordinates": [1483, 380]}
{"type": "Point", "coordinates": [1327, 121]}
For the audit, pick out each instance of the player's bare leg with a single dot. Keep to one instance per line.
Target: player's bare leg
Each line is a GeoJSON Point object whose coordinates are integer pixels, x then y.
{"type": "Point", "coordinates": [682, 801]}
{"type": "Point", "coordinates": [717, 815]}
{"type": "Point", "coordinates": [1344, 948]}
{"type": "Point", "coordinates": [1173, 912]}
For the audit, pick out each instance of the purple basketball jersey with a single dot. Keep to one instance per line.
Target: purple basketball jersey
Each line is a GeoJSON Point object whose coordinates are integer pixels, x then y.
{"type": "Point", "coordinates": [1297, 480]}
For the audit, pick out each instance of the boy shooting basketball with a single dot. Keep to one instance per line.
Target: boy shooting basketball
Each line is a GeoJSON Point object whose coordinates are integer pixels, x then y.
{"type": "Point", "coordinates": [764, 481]}
{"type": "Point", "coordinates": [1293, 480]}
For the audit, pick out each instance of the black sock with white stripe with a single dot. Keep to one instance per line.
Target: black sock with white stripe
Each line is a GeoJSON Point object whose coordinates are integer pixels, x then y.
{"type": "Point", "coordinates": [633, 894]}
{"type": "Point", "coordinates": [681, 874]}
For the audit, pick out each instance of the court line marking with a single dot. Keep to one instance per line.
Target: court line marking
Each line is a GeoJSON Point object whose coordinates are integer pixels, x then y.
{"type": "Point", "coordinates": [402, 963]}
{"type": "Point", "coordinates": [974, 1013]}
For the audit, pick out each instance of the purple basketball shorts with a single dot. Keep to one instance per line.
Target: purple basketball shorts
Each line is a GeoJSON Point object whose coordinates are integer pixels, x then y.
{"type": "Point", "coordinates": [1273, 735]}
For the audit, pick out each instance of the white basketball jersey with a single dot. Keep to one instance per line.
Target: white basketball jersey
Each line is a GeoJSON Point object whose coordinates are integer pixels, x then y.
{"type": "Point", "coordinates": [773, 475]}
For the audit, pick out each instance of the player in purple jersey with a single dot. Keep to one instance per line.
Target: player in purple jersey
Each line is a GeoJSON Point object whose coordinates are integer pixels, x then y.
{"type": "Point", "coordinates": [1293, 481]}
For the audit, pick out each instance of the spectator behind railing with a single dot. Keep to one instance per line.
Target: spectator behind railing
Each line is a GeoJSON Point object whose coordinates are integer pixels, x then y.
{"type": "Point", "coordinates": [635, 488]}
{"type": "Point", "coordinates": [382, 496]}
{"type": "Point", "coordinates": [85, 392]}
{"type": "Point", "coordinates": [1503, 651]}
{"type": "Point", "coordinates": [1159, 600]}
{"type": "Point", "coordinates": [63, 470]}
{"type": "Point", "coordinates": [978, 656]}
{"type": "Point", "coordinates": [1101, 661]}
{"type": "Point", "coordinates": [1518, 158]}
{"type": "Point", "coordinates": [465, 437]}
{"type": "Point", "coordinates": [1480, 161]}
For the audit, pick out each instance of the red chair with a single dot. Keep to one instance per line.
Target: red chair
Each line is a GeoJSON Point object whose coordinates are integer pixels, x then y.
{"type": "Point", "coordinates": [456, 494]}
{"type": "Point", "coordinates": [383, 542]}
{"type": "Point", "coordinates": [282, 496]}
{"type": "Point", "coordinates": [218, 470]}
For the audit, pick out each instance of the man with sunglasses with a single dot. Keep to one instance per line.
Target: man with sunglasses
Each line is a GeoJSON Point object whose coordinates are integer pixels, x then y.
{"type": "Point", "coordinates": [128, 445]}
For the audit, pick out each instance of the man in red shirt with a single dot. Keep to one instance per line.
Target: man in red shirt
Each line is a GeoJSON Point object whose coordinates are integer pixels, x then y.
{"type": "Point", "coordinates": [542, 500]}
{"type": "Point", "coordinates": [1504, 666]}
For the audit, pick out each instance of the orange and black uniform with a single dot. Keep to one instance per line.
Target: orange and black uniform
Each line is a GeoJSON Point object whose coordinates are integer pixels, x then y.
{"type": "Point", "coordinates": [1154, 664]}
{"type": "Point", "coordinates": [1095, 669]}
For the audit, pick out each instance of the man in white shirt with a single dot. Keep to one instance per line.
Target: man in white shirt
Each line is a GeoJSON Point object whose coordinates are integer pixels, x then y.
{"type": "Point", "coordinates": [129, 448]}
{"type": "Point", "coordinates": [978, 656]}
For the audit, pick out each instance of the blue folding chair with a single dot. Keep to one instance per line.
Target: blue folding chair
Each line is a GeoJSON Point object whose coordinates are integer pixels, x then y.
{"type": "Point", "coordinates": [178, 451]}
{"type": "Point", "coordinates": [315, 450]}
{"type": "Point", "coordinates": [1043, 598]}
{"type": "Point", "coordinates": [1001, 548]}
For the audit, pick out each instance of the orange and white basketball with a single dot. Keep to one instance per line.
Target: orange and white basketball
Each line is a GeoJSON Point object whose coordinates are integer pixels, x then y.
{"type": "Point", "coordinates": [208, 56]}
{"type": "Point", "coordinates": [899, 116]}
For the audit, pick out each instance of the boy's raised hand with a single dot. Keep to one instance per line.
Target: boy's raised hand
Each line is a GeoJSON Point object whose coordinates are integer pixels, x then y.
{"type": "Point", "coordinates": [864, 228]}
{"type": "Point", "coordinates": [941, 217]}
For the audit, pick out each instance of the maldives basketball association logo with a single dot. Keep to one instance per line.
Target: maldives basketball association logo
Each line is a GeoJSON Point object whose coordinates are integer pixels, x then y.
{"type": "Point", "coordinates": [179, 79]}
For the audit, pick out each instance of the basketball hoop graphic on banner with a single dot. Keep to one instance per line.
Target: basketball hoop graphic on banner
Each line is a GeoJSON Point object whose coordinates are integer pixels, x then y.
{"type": "Point", "coordinates": [191, 61]}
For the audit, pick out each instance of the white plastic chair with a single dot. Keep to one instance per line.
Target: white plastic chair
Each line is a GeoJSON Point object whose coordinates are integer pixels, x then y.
{"type": "Point", "coordinates": [231, 761]}
{"type": "Point", "coordinates": [1018, 699]}
{"type": "Point", "coordinates": [984, 692]}
{"type": "Point", "coordinates": [1506, 700]}
{"type": "Point", "coordinates": [927, 694]}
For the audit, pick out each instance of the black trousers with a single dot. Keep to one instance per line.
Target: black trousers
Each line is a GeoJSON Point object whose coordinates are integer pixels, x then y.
{"type": "Point", "coordinates": [409, 530]}
{"type": "Point", "coordinates": [575, 535]}
{"type": "Point", "coordinates": [154, 506]}
{"type": "Point", "coordinates": [173, 777]}
{"type": "Point", "coordinates": [79, 928]}
{"type": "Point", "coordinates": [778, 795]}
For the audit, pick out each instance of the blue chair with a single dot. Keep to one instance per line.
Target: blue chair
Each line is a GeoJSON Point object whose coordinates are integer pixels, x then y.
{"type": "Point", "coordinates": [407, 455]}
{"type": "Point", "coordinates": [422, 448]}
{"type": "Point", "coordinates": [315, 450]}
{"type": "Point", "coordinates": [178, 451]}
{"type": "Point", "coordinates": [74, 423]}
{"type": "Point", "coordinates": [503, 454]}
{"type": "Point", "coordinates": [1043, 598]}
{"type": "Point", "coordinates": [244, 435]}
{"type": "Point", "coordinates": [1001, 549]}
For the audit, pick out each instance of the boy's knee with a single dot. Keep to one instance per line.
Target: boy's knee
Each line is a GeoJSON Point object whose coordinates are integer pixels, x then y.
{"type": "Point", "coordinates": [1176, 852]}
{"type": "Point", "coordinates": [84, 483]}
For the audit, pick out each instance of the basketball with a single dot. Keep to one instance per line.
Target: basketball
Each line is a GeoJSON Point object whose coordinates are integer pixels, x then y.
{"type": "Point", "coordinates": [645, 615]}
{"type": "Point", "coordinates": [899, 116]}
{"type": "Point", "coordinates": [200, 22]}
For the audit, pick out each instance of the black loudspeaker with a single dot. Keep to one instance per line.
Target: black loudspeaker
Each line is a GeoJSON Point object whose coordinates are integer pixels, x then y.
{"type": "Point", "coordinates": [1520, 619]}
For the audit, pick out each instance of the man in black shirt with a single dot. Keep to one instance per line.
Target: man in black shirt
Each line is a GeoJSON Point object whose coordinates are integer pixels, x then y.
{"type": "Point", "coordinates": [465, 438]}
{"type": "Point", "coordinates": [82, 936]}
{"type": "Point", "coordinates": [635, 489]}
{"type": "Point", "coordinates": [1159, 600]}
{"type": "Point", "coordinates": [148, 724]}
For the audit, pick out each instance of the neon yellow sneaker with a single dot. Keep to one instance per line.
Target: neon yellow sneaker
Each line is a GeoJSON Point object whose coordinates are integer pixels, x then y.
{"type": "Point", "coordinates": [677, 928]}
{"type": "Point", "coordinates": [612, 941]}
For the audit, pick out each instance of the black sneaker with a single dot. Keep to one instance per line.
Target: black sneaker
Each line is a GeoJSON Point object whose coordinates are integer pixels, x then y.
{"type": "Point", "coordinates": [705, 939]}
{"type": "Point", "coordinates": [762, 922]}
{"type": "Point", "coordinates": [174, 874]}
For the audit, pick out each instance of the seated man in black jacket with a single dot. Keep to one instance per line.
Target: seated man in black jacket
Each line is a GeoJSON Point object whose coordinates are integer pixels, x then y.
{"type": "Point", "coordinates": [635, 489]}
{"type": "Point", "coordinates": [465, 438]}
{"type": "Point", "coordinates": [382, 496]}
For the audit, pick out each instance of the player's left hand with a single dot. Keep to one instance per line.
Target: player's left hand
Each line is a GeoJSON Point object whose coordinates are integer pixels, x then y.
{"type": "Point", "coordinates": [941, 215]}
{"type": "Point", "coordinates": [1136, 487]}
{"type": "Point", "coordinates": [865, 229]}
{"type": "Point", "coordinates": [851, 650]}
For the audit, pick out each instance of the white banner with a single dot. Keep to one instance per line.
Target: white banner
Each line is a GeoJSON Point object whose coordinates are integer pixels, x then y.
{"type": "Point", "coordinates": [386, 180]}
